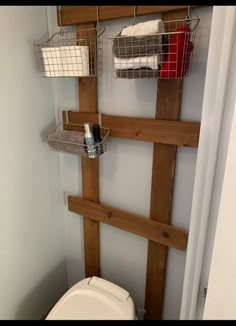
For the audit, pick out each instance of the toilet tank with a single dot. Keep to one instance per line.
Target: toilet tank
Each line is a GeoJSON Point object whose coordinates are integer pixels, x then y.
{"type": "Point", "coordinates": [94, 298]}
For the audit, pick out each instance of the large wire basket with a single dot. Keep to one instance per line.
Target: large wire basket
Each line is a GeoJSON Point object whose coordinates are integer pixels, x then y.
{"type": "Point", "coordinates": [69, 138]}
{"type": "Point", "coordinates": [163, 55]}
{"type": "Point", "coordinates": [76, 53]}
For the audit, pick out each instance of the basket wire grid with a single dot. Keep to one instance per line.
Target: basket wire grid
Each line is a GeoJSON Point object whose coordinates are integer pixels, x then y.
{"type": "Point", "coordinates": [162, 55]}
{"type": "Point", "coordinates": [69, 138]}
{"type": "Point", "coordinates": [76, 53]}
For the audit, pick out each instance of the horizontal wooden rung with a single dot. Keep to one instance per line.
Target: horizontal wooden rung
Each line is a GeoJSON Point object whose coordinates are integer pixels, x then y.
{"type": "Point", "coordinates": [159, 232]}
{"type": "Point", "coordinates": [71, 15]}
{"type": "Point", "coordinates": [180, 133]}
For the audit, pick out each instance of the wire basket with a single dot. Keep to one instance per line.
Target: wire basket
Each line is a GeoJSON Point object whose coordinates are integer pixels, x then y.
{"type": "Point", "coordinates": [75, 53]}
{"type": "Point", "coordinates": [165, 55]}
{"type": "Point", "coordinates": [69, 138]}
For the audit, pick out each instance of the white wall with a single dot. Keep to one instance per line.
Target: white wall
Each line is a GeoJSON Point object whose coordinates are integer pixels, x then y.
{"type": "Point", "coordinates": [220, 301]}
{"type": "Point", "coordinates": [125, 170]}
{"type": "Point", "coordinates": [32, 240]}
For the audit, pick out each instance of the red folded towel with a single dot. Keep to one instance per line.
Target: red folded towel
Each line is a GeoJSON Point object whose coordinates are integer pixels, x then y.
{"type": "Point", "coordinates": [177, 62]}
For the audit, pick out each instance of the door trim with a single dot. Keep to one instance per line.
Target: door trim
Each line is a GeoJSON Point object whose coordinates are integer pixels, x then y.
{"type": "Point", "coordinates": [221, 41]}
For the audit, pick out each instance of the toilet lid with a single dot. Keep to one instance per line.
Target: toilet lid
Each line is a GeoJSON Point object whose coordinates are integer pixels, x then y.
{"type": "Point", "coordinates": [84, 301]}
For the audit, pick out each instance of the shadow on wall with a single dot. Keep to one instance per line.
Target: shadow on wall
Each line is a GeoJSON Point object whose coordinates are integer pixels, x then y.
{"type": "Point", "coordinates": [36, 51]}
{"type": "Point", "coordinates": [40, 300]}
{"type": "Point", "coordinates": [48, 130]}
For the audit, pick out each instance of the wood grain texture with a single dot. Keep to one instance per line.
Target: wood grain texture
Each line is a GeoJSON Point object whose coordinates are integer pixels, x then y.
{"type": "Point", "coordinates": [88, 102]}
{"type": "Point", "coordinates": [88, 91]}
{"type": "Point", "coordinates": [165, 132]}
{"type": "Point", "coordinates": [168, 107]}
{"type": "Point", "coordinates": [75, 117]}
{"type": "Point", "coordinates": [159, 232]}
{"type": "Point", "coordinates": [179, 133]}
{"type": "Point", "coordinates": [86, 14]}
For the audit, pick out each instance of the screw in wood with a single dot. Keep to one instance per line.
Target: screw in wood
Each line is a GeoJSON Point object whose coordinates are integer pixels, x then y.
{"type": "Point", "coordinates": [165, 234]}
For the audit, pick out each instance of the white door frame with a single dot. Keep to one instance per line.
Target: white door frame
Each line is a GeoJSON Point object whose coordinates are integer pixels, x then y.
{"type": "Point", "coordinates": [221, 41]}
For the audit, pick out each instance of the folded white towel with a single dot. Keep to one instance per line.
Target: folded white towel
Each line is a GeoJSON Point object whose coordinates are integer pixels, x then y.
{"type": "Point", "coordinates": [48, 72]}
{"type": "Point", "coordinates": [151, 61]}
{"type": "Point", "coordinates": [145, 28]}
{"type": "Point", "coordinates": [52, 62]}
{"type": "Point", "coordinates": [75, 60]}
{"type": "Point", "coordinates": [66, 61]}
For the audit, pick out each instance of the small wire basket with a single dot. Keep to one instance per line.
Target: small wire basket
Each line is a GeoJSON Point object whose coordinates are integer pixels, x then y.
{"type": "Point", "coordinates": [69, 138]}
{"type": "Point", "coordinates": [75, 53]}
{"type": "Point", "coordinates": [165, 55]}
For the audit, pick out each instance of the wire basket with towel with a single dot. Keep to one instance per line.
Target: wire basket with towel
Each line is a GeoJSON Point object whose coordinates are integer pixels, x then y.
{"type": "Point", "coordinates": [154, 49]}
{"type": "Point", "coordinates": [76, 53]}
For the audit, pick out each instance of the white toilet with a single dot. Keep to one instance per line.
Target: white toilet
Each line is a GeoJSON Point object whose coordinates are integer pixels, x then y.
{"type": "Point", "coordinates": [94, 298]}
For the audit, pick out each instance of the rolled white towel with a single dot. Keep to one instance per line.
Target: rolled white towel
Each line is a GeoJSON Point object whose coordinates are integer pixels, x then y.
{"type": "Point", "coordinates": [151, 61]}
{"type": "Point", "coordinates": [145, 28]}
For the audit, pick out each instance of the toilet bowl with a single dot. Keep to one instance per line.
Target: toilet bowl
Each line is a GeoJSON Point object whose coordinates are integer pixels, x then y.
{"type": "Point", "coordinates": [94, 298]}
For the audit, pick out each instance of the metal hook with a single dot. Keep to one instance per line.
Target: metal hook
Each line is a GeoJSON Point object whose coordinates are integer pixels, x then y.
{"type": "Point", "coordinates": [98, 25]}
{"type": "Point", "coordinates": [135, 12]}
{"type": "Point", "coordinates": [188, 17]}
{"type": "Point", "coordinates": [60, 21]}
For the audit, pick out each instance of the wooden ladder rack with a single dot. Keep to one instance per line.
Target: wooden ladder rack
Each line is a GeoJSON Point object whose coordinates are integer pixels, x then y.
{"type": "Point", "coordinates": [166, 132]}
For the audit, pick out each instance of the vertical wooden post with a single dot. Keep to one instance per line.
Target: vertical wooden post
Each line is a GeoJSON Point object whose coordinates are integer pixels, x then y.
{"type": "Point", "coordinates": [168, 106]}
{"type": "Point", "coordinates": [88, 102]}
